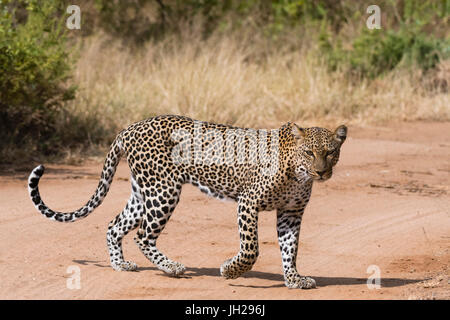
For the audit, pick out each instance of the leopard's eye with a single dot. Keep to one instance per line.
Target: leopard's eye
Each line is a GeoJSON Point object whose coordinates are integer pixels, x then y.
{"type": "Point", "coordinates": [330, 152]}
{"type": "Point", "coordinates": [309, 153]}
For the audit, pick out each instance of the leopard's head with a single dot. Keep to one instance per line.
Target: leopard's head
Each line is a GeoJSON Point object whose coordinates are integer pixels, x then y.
{"type": "Point", "coordinates": [317, 151]}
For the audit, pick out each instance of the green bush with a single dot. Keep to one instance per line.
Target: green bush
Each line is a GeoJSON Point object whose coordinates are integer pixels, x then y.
{"type": "Point", "coordinates": [403, 41]}
{"type": "Point", "coordinates": [35, 68]}
{"type": "Point", "coordinates": [375, 53]}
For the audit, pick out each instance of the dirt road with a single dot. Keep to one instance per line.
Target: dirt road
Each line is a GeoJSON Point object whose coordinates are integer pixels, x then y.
{"type": "Point", "coordinates": [386, 208]}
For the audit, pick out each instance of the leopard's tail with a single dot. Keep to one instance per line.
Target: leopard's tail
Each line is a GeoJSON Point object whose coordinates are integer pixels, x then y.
{"type": "Point", "coordinates": [109, 169]}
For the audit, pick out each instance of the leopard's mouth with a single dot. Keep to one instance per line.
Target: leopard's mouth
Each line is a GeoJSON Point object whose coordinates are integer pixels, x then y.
{"type": "Point", "coordinates": [321, 176]}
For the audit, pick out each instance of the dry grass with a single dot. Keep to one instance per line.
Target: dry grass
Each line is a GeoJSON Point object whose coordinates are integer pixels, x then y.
{"type": "Point", "coordinates": [220, 80]}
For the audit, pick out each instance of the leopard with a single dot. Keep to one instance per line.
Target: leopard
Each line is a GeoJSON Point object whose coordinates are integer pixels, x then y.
{"type": "Point", "coordinates": [258, 169]}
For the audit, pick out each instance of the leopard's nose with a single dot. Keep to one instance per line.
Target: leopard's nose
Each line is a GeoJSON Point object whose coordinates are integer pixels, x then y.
{"type": "Point", "coordinates": [321, 173]}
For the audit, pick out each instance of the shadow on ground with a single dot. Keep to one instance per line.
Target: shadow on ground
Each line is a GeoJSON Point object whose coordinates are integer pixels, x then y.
{"type": "Point", "coordinates": [321, 281]}
{"type": "Point", "coordinates": [91, 262]}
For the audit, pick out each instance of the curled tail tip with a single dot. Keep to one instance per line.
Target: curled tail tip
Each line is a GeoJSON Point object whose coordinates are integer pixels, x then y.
{"type": "Point", "coordinates": [39, 170]}
{"type": "Point", "coordinates": [35, 175]}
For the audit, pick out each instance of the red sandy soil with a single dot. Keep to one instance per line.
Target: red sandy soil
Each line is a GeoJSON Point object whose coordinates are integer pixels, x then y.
{"type": "Point", "coordinates": [387, 204]}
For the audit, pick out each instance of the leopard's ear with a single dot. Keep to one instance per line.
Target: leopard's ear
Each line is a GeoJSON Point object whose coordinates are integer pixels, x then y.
{"type": "Point", "coordinates": [298, 132]}
{"type": "Point", "coordinates": [340, 133]}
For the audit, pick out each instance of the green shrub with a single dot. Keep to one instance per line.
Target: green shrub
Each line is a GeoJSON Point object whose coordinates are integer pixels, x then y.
{"type": "Point", "coordinates": [375, 52]}
{"type": "Point", "coordinates": [404, 40]}
{"type": "Point", "coordinates": [35, 67]}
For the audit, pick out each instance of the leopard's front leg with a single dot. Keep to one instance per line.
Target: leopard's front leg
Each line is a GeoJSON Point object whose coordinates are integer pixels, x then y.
{"type": "Point", "coordinates": [288, 228]}
{"type": "Point", "coordinates": [248, 233]}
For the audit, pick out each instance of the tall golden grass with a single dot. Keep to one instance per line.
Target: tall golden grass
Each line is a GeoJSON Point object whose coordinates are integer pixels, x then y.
{"type": "Point", "coordinates": [239, 79]}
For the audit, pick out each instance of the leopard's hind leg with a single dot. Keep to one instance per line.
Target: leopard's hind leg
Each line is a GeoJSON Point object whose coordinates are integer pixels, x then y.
{"type": "Point", "coordinates": [160, 201]}
{"type": "Point", "coordinates": [127, 220]}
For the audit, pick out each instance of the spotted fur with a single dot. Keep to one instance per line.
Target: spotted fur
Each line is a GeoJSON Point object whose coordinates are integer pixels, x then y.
{"type": "Point", "coordinates": [303, 155]}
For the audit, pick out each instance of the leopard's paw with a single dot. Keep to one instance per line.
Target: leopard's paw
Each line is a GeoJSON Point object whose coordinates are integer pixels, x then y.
{"type": "Point", "coordinates": [125, 266]}
{"type": "Point", "coordinates": [231, 270]}
{"type": "Point", "coordinates": [300, 282]}
{"type": "Point", "coordinates": [172, 268]}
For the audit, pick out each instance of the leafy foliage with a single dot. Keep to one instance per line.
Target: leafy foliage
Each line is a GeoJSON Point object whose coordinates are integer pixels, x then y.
{"type": "Point", "coordinates": [378, 51]}
{"type": "Point", "coordinates": [35, 66]}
